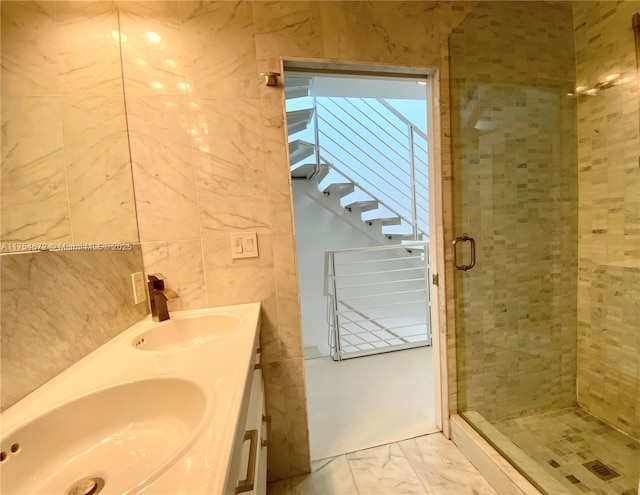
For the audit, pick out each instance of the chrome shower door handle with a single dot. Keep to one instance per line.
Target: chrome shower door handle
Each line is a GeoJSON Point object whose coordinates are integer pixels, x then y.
{"type": "Point", "coordinates": [464, 238]}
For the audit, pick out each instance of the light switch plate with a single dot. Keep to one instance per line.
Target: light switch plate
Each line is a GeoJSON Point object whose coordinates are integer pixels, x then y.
{"type": "Point", "coordinates": [243, 244]}
{"type": "Point", "coordinates": [139, 288]}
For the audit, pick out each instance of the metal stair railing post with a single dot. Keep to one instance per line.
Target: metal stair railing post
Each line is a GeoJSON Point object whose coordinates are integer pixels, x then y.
{"type": "Point", "coordinates": [316, 133]}
{"type": "Point", "coordinates": [331, 291]}
{"type": "Point", "coordinates": [414, 197]}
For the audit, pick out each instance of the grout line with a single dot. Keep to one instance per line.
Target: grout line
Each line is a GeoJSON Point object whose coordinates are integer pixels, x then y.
{"type": "Point", "coordinates": [426, 488]}
{"type": "Point", "coordinates": [353, 477]}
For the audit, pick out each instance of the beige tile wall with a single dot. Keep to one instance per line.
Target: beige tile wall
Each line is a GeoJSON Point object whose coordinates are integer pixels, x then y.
{"type": "Point", "coordinates": [58, 306]}
{"type": "Point", "coordinates": [609, 216]}
{"type": "Point", "coordinates": [65, 158]}
{"type": "Point", "coordinates": [66, 178]}
{"type": "Point", "coordinates": [514, 182]}
{"type": "Point", "coordinates": [211, 159]}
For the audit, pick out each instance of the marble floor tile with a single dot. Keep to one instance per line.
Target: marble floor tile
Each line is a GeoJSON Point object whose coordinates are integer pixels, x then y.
{"type": "Point", "coordinates": [442, 468]}
{"type": "Point", "coordinates": [384, 470]}
{"type": "Point", "coordinates": [428, 464]}
{"type": "Point", "coordinates": [327, 476]}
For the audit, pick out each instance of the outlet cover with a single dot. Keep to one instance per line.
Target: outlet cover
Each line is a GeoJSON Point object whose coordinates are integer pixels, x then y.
{"type": "Point", "coordinates": [139, 288]}
{"type": "Point", "coordinates": [243, 245]}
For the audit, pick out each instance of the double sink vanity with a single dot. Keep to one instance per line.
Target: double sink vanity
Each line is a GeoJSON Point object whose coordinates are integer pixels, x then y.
{"type": "Point", "coordinates": [172, 407]}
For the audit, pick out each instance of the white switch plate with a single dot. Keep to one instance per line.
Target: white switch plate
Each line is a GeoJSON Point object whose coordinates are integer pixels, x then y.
{"type": "Point", "coordinates": [243, 244]}
{"type": "Point", "coordinates": [139, 288]}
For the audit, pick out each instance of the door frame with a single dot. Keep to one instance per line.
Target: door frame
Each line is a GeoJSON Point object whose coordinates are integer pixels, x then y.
{"type": "Point", "coordinates": [436, 214]}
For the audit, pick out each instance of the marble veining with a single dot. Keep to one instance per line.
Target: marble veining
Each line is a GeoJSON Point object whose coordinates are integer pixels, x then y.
{"type": "Point", "coordinates": [98, 169]}
{"type": "Point", "coordinates": [163, 172]}
{"type": "Point", "coordinates": [29, 48]}
{"type": "Point", "coordinates": [287, 404]}
{"type": "Point", "coordinates": [289, 324]}
{"type": "Point", "coordinates": [237, 281]}
{"type": "Point", "coordinates": [277, 165]}
{"type": "Point", "coordinates": [438, 464]}
{"type": "Point", "coordinates": [384, 469]}
{"type": "Point", "coordinates": [428, 464]}
{"type": "Point", "coordinates": [231, 167]}
{"type": "Point", "coordinates": [153, 54]}
{"type": "Point", "coordinates": [389, 28]}
{"type": "Point", "coordinates": [181, 262]}
{"type": "Point", "coordinates": [58, 306]}
{"type": "Point", "coordinates": [292, 29]}
{"type": "Point", "coordinates": [221, 59]}
{"type": "Point", "coordinates": [88, 55]}
{"type": "Point", "coordinates": [34, 189]}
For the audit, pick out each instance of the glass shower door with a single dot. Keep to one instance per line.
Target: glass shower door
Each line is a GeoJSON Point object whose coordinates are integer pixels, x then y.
{"type": "Point", "coordinates": [545, 154]}
{"type": "Point", "coordinates": [516, 195]}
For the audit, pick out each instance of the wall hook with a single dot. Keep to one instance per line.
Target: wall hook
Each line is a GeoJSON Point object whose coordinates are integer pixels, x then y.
{"type": "Point", "coordinates": [270, 78]}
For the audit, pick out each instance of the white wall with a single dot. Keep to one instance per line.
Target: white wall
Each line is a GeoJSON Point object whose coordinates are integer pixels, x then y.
{"type": "Point", "coordinates": [318, 230]}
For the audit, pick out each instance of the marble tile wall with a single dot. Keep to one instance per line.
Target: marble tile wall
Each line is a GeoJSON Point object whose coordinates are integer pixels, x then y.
{"type": "Point", "coordinates": [66, 178]}
{"type": "Point", "coordinates": [609, 215]}
{"type": "Point", "coordinates": [209, 155]}
{"type": "Point", "coordinates": [58, 306]}
{"type": "Point", "coordinates": [514, 182]}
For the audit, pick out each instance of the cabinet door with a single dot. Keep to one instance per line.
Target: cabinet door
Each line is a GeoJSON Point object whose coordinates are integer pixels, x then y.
{"type": "Point", "coordinates": [252, 472]}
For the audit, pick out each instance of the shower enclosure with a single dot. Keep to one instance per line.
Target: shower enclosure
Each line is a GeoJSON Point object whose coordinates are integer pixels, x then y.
{"type": "Point", "coordinates": [545, 119]}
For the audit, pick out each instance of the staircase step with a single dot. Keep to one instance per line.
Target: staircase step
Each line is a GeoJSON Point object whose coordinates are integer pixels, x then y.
{"type": "Point", "coordinates": [399, 237]}
{"type": "Point", "coordinates": [308, 170]}
{"type": "Point", "coordinates": [296, 87]}
{"type": "Point", "coordinates": [305, 171]}
{"type": "Point", "coordinates": [383, 222]}
{"type": "Point", "coordinates": [298, 120]}
{"type": "Point", "coordinates": [322, 173]}
{"type": "Point", "coordinates": [341, 189]}
{"type": "Point", "coordinates": [362, 206]}
{"type": "Point", "coordinates": [299, 150]}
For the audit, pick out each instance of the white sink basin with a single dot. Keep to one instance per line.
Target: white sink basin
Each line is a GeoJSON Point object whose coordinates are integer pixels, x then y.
{"type": "Point", "coordinates": [125, 435]}
{"type": "Point", "coordinates": [184, 333]}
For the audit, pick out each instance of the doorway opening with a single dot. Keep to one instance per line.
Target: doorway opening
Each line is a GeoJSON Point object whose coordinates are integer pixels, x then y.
{"type": "Point", "coordinates": [360, 151]}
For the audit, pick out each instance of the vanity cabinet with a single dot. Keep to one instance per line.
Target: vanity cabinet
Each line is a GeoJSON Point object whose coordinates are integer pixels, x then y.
{"type": "Point", "coordinates": [253, 439]}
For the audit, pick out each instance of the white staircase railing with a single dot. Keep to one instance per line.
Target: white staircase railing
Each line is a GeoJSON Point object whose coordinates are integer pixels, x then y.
{"type": "Point", "coordinates": [372, 145]}
{"type": "Point", "coordinates": [378, 299]}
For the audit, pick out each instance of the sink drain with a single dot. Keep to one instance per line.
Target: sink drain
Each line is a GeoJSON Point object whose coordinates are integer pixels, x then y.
{"type": "Point", "coordinates": [87, 486]}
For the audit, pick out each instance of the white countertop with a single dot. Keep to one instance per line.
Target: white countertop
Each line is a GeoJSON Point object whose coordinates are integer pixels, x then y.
{"type": "Point", "coordinates": [223, 367]}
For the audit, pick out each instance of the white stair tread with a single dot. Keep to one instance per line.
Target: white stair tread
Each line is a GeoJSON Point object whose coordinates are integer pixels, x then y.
{"type": "Point", "coordinates": [299, 150]}
{"type": "Point", "coordinates": [385, 221]}
{"type": "Point", "coordinates": [304, 171]}
{"type": "Point", "coordinates": [340, 188]}
{"type": "Point", "coordinates": [362, 206]}
{"type": "Point", "coordinates": [296, 87]}
{"type": "Point", "coordinates": [298, 120]}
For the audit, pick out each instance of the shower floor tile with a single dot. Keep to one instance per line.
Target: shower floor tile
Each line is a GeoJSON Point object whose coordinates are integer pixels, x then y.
{"type": "Point", "coordinates": [563, 441]}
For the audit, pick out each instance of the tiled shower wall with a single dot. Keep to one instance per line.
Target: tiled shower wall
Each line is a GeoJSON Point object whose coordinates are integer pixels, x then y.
{"type": "Point", "coordinates": [65, 179]}
{"type": "Point", "coordinates": [515, 181]}
{"type": "Point", "coordinates": [609, 216]}
{"type": "Point", "coordinates": [209, 154]}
